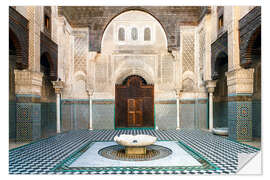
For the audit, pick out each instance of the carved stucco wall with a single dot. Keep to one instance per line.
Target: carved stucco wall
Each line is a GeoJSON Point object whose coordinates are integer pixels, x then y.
{"type": "Point", "coordinates": [187, 51]}
{"type": "Point", "coordinates": [117, 60]}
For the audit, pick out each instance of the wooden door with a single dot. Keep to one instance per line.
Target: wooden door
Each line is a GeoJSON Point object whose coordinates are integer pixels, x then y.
{"type": "Point", "coordinates": [135, 112]}
{"type": "Point", "coordinates": [134, 103]}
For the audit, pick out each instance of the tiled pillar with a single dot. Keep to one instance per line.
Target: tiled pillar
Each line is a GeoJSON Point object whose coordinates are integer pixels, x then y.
{"type": "Point", "coordinates": [211, 84]}
{"type": "Point", "coordinates": [240, 89]}
{"type": "Point", "coordinates": [28, 109]}
{"type": "Point", "coordinates": [58, 86]}
{"type": "Point", "coordinates": [90, 93]}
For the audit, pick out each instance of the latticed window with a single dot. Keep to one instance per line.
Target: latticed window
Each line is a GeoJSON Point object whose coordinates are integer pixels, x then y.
{"type": "Point", "coordinates": [134, 34]}
{"type": "Point", "coordinates": [121, 34]}
{"type": "Point", "coordinates": [147, 34]}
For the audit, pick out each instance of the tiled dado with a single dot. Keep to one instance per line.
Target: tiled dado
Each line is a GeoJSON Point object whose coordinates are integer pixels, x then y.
{"type": "Point", "coordinates": [28, 118]}
{"type": "Point", "coordinates": [74, 114]}
{"type": "Point", "coordinates": [240, 118]}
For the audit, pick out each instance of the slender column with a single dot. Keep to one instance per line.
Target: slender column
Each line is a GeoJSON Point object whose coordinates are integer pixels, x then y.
{"type": "Point", "coordinates": [178, 113]}
{"type": "Point", "coordinates": [58, 113]}
{"type": "Point", "coordinates": [90, 93]}
{"type": "Point", "coordinates": [211, 121]}
{"type": "Point", "coordinates": [178, 94]}
{"type": "Point", "coordinates": [58, 86]}
{"type": "Point", "coordinates": [211, 84]}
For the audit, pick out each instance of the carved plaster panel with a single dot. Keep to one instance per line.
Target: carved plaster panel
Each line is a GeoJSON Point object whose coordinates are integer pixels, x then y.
{"type": "Point", "coordinates": [28, 82]}
{"type": "Point", "coordinates": [240, 81]}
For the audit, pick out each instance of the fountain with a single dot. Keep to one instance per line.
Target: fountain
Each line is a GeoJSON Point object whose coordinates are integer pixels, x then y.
{"type": "Point", "coordinates": [135, 148]}
{"type": "Point", "coordinates": [135, 144]}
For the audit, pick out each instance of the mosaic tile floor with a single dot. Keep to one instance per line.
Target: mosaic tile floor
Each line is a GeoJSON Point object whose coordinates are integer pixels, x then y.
{"type": "Point", "coordinates": [48, 156]}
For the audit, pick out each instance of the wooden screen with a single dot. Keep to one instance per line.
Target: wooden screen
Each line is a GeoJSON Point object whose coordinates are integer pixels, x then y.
{"type": "Point", "coordinates": [134, 103]}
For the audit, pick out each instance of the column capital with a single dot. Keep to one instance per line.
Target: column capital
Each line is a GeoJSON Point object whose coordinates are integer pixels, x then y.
{"type": "Point", "coordinates": [178, 92]}
{"type": "Point", "coordinates": [210, 85]}
{"type": "Point", "coordinates": [58, 86]}
{"type": "Point", "coordinates": [90, 92]}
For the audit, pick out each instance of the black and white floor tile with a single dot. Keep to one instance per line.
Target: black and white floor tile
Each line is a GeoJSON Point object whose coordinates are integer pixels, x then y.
{"type": "Point", "coordinates": [43, 156]}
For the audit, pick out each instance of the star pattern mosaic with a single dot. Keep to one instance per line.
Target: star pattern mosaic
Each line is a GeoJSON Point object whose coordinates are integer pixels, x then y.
{"type": "Point", "coordinates": [44, 156]}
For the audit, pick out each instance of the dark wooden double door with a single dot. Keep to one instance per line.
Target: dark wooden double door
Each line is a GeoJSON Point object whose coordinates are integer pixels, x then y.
{"type": "Point", "coordinates": [134, 103]}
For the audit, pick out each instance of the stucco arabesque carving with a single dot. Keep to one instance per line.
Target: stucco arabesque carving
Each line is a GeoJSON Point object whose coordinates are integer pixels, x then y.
{"type": "Point", "coordinates": [240, 81]}
{"type": "Point", "coordinates": [28, 82]}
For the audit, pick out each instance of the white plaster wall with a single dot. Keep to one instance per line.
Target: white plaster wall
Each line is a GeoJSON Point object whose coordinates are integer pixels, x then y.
{"type": "Point", "coordinates": [130, 19]}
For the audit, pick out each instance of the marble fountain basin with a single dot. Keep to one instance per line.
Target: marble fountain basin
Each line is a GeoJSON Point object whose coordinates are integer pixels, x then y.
{"type": "Point", "coordinates": [135, 144]}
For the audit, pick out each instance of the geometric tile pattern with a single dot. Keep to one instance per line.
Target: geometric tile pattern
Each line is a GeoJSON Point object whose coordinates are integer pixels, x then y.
{"type": "Point", "coordinates": [240, 120]}
{"type": "Point", "coordinates": [103, 116]}
{"type": "Point", "coordinates": [80, 53]}
{"type": "Point", "coordinates": [256, 118]}
{"type": "Point", "coordinates": [28, 121]}
{"type": "Point", "coordinates": [165, 116]}
{"type": "Point", "coordinates": [75, 115]}
{"type": "Point", "coordinates": [187, 116]}
{"type": "Point", "coordinates": [201, 49]}
{"type": "Point", "coordinates": [23, 112]}
{"type": "Point", "coordinates": [220, 114]}
{"type": "Point", "coordinates": [202, 119]}
{"type": "Point", "coordinates": [48, 118]}
{"type": "Point", "coordinates": [188, 51]}
{"type": "Point", "coordinates": [68, 165]}
{"type": "Point", "coordinates": [43, 156]}
{"type": "Point", "coordinates": [12, 119]}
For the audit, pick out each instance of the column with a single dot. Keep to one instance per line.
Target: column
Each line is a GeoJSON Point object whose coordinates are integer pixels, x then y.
{"type": "Point", "coordinates": [58, 113]}
{"type": "Point", "coordinates": [58, 86]}
{"type": "Point", "coordinates": [211, 114]}
{"type": "Point", "coordinates": [178, 94]}
{"type": "Point", "coordinates": [90, 93]}
{"type": "Point", "coordinates": [211, 84]}
{"type": "Point", "coordinates": [178, 113]}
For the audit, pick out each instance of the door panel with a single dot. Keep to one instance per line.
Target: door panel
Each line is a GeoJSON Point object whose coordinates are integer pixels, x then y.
{"type": "Point", "coordinates": [139, 112]}
{"type": "Point", "coordinates": [131, 112]}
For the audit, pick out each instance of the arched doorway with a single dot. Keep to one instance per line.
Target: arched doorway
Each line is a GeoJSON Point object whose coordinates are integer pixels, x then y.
{"type": "Point", "coordinates": [48, 105]}
{"type": "Point", "coordinates": [221, 91]}
{"type": "Point", "coordinates": [134, 103]}
{"type": "Point", "coordinates": [47, 91]}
